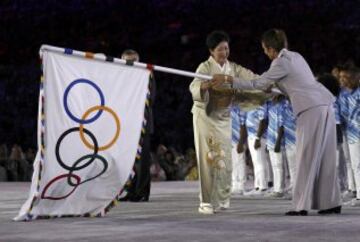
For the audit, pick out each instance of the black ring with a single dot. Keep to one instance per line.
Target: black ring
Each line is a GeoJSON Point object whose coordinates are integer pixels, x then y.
{"type": "Point", "coordinates": [74, 168]}
{"type": "Point", "coordinates": [57, 149]}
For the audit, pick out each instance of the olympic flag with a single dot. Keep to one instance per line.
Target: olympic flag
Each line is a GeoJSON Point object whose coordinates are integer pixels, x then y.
{"type": "Point", "coordinates": [91, 113]}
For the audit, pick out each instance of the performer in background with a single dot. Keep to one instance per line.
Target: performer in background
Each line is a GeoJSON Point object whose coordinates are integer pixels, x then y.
{"type": "Point", "coordinates": [256, 126]}
{"type": "Point", "coordinates": [290, 143]}
{"type": "Point", "coordinates": [212, 125]}
{"type": "Point", "coordinates": [238, 157]}
{"type": "Point", "coordinates": [350, 76]}
{"type": "Point", "coordinates": [342, 101]}
{"type": "Point", "coordinates": [316, 185]}
{"type": "Point", "coordinates": [139, 187]}
{"type": "Point", "coordinates": [275, 143]}
{"type": "Point", "coordinates": [331, 83]}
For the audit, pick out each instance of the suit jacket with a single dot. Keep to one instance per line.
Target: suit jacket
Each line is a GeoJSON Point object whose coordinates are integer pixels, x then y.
{"type": "Point", "coordinates": [293, 76]}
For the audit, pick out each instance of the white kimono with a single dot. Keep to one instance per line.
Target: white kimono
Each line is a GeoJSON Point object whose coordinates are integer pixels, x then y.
{"type": "Point", "coordinates": [212, 131]}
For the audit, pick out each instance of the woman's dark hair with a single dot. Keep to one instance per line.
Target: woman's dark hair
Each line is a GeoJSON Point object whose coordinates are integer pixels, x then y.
{"type": "Point", "coordinates": [330, 82]}
{"type": "Point", "coordinates": [275, 38]}
{"type": "Point", "coordinates": [215, 38]}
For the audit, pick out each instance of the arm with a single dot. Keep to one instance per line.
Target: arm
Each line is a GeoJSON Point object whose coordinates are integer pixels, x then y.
{"type": "Point", "coordinates": [278, 140]}
{"type": "Point", "coordinates": [249, 99]}
{"type": "Point", "coordinates": [260, 132]}
{"type": "Point", "coordinates": [243, 136]}
{"type": "Point", "coordinates": [277, 70]}
{"type": "Point", "coordinates": [199, 88]}
{"type": "Point", "coordinates": [339, 121]}
{"type": "Point", "coordinates": [245, 73]}
{"type": "Point", "coordinates": [339, 134]}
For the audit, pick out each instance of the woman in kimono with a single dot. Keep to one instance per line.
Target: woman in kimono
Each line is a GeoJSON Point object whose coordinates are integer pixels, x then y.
{"type": "Point", "coordinates": [316, 185]}
{"type": "Point", "coordinates": [212, 123]}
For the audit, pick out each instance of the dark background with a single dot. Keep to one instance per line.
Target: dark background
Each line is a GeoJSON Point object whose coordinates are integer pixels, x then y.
{"type": "Point", "coordinates": [167, 33]}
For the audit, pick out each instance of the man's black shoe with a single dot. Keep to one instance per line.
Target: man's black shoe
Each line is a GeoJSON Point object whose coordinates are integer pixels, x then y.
{"type": "Point", "coordinates": [127, 198]}
{"type": "Point", "coordinates": [139, 199]}
{"type": "Point", "coordinates": [334, 210]}
{"type": "Point", "coordinates": [297, 213]}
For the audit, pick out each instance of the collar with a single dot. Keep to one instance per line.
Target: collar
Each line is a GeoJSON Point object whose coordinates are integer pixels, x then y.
{"type": "Point", "coordinates": [282, 51]}
{"type": "Point", "coordinates": [223, 69]}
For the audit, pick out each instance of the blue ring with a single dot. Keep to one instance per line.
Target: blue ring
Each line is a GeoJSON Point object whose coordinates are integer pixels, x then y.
{"type": "Point", "coordinates": [67, 90]}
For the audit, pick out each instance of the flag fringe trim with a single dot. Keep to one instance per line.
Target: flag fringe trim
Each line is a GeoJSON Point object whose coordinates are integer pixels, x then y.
{"type": "Point", "coordinates": [29, 216]}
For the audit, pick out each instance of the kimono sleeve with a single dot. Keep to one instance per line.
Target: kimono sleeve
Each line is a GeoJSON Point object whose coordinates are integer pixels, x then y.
{"type": "Point", "coordinates": [196, 83]}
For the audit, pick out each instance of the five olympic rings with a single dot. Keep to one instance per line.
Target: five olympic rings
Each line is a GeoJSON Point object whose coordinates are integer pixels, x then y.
{"type": "Point", "coordinates": [79, 164]}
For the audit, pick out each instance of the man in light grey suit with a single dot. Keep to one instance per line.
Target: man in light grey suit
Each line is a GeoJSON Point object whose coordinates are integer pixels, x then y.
{"type": "Point", "coordinates": [316, 185]}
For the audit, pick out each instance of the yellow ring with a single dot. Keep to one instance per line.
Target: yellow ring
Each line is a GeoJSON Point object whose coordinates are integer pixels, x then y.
{"type": "Point", "coordinates": [105, 147]}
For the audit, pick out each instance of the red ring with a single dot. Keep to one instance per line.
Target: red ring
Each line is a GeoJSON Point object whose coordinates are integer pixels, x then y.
{"type": "Point", "coordinates": [78, 179]}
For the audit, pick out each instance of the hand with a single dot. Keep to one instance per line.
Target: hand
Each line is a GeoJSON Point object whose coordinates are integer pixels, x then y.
{"type": "Point", "coordinates": [240, 148]}
{"type": "Point", "coordinates": [206, 85]}
{"type": "Point", "coordinates": [269, 89]}
{"type": "Point", "coordinates": [257, 144]}
{"type": "Point", "coordinates": [277, 98]}
{"type": "Point", "coordinates": [219, 79]}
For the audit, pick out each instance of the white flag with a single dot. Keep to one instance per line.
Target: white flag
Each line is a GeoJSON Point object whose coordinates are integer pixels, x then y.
{"type": "Point", "coordinates": [90, 118]}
